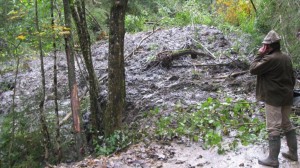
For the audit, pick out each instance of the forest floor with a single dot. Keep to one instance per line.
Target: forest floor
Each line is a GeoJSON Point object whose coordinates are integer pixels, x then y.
{"type": "Point", "coordinates": [220, 72]}
{"type": "Point", "coordinates": [174, 155]}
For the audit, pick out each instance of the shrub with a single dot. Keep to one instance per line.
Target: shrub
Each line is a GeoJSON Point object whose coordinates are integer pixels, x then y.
{"type": "Point", "coordinates": [237, 12]}
{"type": "Point", "coordinates": [23, 148]}
{"type": "Point", "coordinates": [117, 141]}
{"type": "Point", "coordinates": [210, 121]}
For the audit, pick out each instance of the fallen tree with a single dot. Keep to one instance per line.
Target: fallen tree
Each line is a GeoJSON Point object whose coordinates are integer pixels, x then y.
{"type": "Point", "coordinates": [165, 58]}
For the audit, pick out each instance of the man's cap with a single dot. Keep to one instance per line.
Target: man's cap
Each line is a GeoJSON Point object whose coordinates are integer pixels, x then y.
{"type": "Point", "coordinates": [271, 37]}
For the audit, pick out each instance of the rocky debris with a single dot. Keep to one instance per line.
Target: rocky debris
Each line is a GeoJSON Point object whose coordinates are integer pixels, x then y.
{"type": "Point", "coordinates": [145, 88]}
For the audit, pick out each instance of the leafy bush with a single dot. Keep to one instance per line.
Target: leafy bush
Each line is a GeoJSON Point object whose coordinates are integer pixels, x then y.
{"type": "Point", "coordinates": [21, 140]}
{"type": "Point", "coordinates": [168, 13]}
{"type": "Point", "coordinates": [283, 18]}
{"type": "Point", "coordinates": [117, 141]}
{"type": "Point", "coordinates": [237, 12]}
{"type": "Point", "coordinates": [134, 23]}
{"type": "Point", "coordinates": [23, 148]}
{"type": "Point", "coordinates": [210, 121]}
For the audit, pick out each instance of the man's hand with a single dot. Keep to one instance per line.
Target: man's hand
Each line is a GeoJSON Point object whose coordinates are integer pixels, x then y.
{"type": "Point", "coordinates": [264, 50]}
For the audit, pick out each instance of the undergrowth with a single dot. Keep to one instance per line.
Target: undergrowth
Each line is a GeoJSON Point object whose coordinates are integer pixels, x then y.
{"type": "Point", "coordinates": [21, 147]}
{"type": "Point", "coordinates": [214, 123]}
{"type": "Point", "coordinates": [211, 121]}
{"type": "Point", "coordinates": [114, 143]}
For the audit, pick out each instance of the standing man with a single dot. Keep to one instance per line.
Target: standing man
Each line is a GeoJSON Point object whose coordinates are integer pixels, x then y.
{"type": "Point", "coordinates": [275, 84]}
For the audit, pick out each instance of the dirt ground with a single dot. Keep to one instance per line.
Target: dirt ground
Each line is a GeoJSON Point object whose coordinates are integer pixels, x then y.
{"type": "Point", "coordinates": [173, 155]}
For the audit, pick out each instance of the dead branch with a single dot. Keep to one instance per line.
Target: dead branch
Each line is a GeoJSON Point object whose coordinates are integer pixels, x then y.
{"type": "Point", "coordinates": [253, 6]}
{"type": "Point", "coordinates": [232, 75]}
{"type": "Point", "coordinates": [93, 17]}
{"type": "Point", "coordinates": [211, 54]}
{"type": "Point", "coordinates": [165, 58]}
{"type": "Point", "coordinates": [199, 65]}
{"type": "Point", "coordinates": [96, 2]}
{"type": "Point", "coordinates": [236, 74]}
{"type": "Point", "coordinates": [61, 122]}
{"type": "Point", "coordinates": [191, 52]}
{"type": "Point", "coordinates": [140, 43]}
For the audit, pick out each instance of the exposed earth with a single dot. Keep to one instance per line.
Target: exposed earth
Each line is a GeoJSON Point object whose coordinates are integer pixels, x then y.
{"type": "Point", "coordinates": [220, 72]}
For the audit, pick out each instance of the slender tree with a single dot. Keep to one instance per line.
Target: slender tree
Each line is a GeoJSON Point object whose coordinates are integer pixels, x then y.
{"type": "Point", "coordinates": [13, 122]}
{"type": "Point", "coordinates": [45, 132]}
{"type": "Point", "coordinates": [72, 78]}
{"type": "Point", "coordinates": [57, 136]}
{"type": "Point", "coordinates": [15, 55]}
{"type": "Point", "coordinates": [79, 15]}
{"type": "Point", "coordinates": [116, 69]}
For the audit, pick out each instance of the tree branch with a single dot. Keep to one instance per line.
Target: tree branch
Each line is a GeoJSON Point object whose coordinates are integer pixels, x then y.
{"type": "Point", "coordinates": [166, 57]}
{"type": "Point", "coordinates": [212, 55]}
{"type": "Point", "coordinates": [253, 6]}
{"type": "Point", "coordinates": [140, 43]}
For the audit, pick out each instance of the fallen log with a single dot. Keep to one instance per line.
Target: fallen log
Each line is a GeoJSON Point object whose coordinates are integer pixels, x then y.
{"type": "Point", "coordinates": [199, 65]}
{"type": "Point", "coordinates": [165, 58]}
{"type": "Point", "coordinates": [232, 75]}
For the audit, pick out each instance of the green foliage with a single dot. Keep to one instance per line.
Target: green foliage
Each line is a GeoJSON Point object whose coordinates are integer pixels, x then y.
{"type": "Point", "coordinates": [210, 121]}
{"type": "Point", "coordinates": [25, 146]}
{"type": "Point", "coordinates": [152, 113]}
{"type": "Point", "coordinates": [26, 150]}
{"type": "Point", "coordinates": [195, 12]}
{"type": "Point", "coordinates": [97, 17]}
{"type": "Point", "coordinates": [167, 14]}
{"type": "Point", "coordinates": [117, 141]}
{"type": "Point", "coordinates": [6, 68]}
{"type": "Point", "coordinates": [134, 23]}
{"type": "Point", "coordinates": [283, 18]}
{"type": "Point", "coordinates": [295, 119]}
{"type": "Point", "coordinates": [265, 14]}
{"type": "Point", "coordinates": [20, 26]}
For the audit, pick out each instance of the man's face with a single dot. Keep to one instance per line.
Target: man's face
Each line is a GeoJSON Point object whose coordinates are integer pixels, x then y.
{"type": "Point", "coordinates": [264, 49]}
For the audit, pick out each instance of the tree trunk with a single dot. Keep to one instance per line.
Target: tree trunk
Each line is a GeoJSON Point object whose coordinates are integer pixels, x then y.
{"type": "Point", "coordinates": [116, 70]}
{"type": "Point", "coordinates": [79, 15]}
{"type": "Point", "coordinates": [13, 122]}
{"type": "Point", "coordinates": [45, 132]}
{"type": "Point", "coordinates": [72, 79]}
{"type": "Point", "coordinates": [57, 136]}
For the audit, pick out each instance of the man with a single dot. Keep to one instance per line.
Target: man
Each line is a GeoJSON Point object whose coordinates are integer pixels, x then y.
{"type": "Point", "coordinates": [275, 84]}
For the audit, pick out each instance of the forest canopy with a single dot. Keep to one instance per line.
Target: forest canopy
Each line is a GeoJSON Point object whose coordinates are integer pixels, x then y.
{"type": "Point", "coordinates": [255, 17]}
